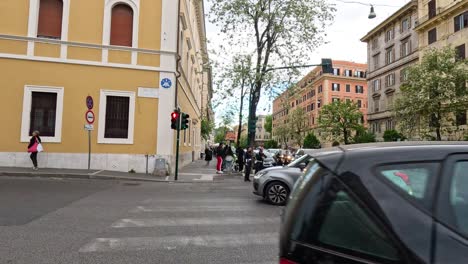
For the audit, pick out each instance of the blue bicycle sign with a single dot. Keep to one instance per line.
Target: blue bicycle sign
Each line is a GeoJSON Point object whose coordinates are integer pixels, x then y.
{"type": "Point", "coordinates": [166, 83]}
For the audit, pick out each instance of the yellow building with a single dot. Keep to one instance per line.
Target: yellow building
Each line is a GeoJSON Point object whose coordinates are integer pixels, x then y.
{"type": "Point", "coordinates": [442, 23]}
{"type": "Point", "coordinates": [123, 54]}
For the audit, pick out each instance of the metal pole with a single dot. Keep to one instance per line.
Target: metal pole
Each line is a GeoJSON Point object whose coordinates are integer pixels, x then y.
{"type": "Point", "coordinates": [176, 175]}
{"type": "Point", "coordinates": [89, 149]}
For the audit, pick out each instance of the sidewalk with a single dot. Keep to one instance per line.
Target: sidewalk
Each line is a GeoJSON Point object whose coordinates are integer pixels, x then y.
{"type": "Point", "coordinates": [197, 171]}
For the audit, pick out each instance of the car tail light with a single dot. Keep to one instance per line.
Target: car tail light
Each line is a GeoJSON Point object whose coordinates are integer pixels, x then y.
{"type": "Point", "coordinates": [286, 261]}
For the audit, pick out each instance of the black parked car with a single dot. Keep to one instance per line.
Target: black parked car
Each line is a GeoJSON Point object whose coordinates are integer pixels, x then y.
{"type": "Point", "coordinates": [380, 203]}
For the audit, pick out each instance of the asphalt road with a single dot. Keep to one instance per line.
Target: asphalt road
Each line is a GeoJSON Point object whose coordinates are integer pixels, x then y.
{"type": "Point", "coordinates": [87, 221]}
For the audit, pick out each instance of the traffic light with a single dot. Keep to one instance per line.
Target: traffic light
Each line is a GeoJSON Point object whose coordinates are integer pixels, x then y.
{"type": "Point", "coordinates": [185, 121]}
{"type": "Point", "coordinates": [175, 119]}
{"type": "Point", "coordinates": [327, 66]}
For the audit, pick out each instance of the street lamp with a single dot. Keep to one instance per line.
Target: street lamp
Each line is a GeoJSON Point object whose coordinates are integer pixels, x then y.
{"type": "Point", "coordinates": [372, 13]}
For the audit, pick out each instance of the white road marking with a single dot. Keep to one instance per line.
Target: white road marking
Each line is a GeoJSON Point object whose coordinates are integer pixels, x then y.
{"type": "Point", "coordinates": [154, 222]}
{"type": "Point", "coordinates": [95, 173]}
{"type": "Point", "coordinates": [174, 242]}
{"type": "Point", "coordinates": [208, 201]}
{"type": "Point", "coordinates": [146, 209]}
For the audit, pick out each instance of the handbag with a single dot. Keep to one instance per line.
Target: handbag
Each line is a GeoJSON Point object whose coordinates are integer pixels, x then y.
{"type": "Point", "coordinates": [33, 148]}
{"type": "Point", "coordinates": [40, 148]}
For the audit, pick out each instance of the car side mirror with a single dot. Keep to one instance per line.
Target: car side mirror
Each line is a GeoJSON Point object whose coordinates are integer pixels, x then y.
{"type": "Point", "coordinates": [302, 166]}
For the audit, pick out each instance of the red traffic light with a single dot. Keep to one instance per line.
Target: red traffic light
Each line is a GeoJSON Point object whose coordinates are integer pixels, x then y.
{"type": "Point", "coordinates": [175, 115]}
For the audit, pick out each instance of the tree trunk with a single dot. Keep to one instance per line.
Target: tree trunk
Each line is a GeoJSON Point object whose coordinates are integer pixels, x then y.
{"type": "Point", "coordinates": [439, 137]}
{"type": "Point", "coordinates": [345, 134]}
{"type": "Point", "coordinates": [239, 130]}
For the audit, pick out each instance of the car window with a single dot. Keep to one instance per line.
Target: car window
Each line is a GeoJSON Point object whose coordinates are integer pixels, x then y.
{"type": "Point", "coordinates": [326, 214]}
{"type": "Point", "coordinates": [360, 234]}
{"type": "Point", "coordinates": [303, 159]}
{"type": "Point", "coordinates": [459, 195]}
{"type": "Point", "coordinates": [413, 180]}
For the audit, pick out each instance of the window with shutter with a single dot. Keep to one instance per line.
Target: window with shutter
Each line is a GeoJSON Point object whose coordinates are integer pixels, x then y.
{"type": "Point", "coordinates": [50, 19]}
{"type": "Point", "coordinates": [432, 35]}
{"type": "Point", "coordinates": [122, 25]}
{"type": "Point", "coordinates": [117, 114]}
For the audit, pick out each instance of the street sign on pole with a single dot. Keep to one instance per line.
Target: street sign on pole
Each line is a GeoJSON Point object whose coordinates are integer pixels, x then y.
{"type": "Point", "coordinates": [89, 102]}
{"type": "Point", "coordinates": [90, 117]}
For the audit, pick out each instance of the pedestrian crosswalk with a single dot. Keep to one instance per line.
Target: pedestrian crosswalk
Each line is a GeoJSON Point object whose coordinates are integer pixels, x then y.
{"type": "Point", "coordinates": [239, 229]}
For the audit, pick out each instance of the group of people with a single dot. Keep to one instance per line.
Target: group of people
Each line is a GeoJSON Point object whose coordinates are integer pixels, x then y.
{"type": "Point", "coordinates": [246, 159]}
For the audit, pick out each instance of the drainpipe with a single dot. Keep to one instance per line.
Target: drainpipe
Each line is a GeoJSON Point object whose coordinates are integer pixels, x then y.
{"type": "Point", "coordinates": [178, 57]}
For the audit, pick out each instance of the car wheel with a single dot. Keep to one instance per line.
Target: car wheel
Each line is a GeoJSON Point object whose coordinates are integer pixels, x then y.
{"type": "Point", "coordinates": [277, 193]}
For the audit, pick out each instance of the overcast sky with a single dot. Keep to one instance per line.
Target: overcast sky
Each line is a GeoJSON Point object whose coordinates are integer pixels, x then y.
{"type": "Point", "coordinates": [343, 36]}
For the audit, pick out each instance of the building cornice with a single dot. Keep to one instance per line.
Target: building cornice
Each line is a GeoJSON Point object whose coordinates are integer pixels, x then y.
{"type": "Point", "coordinates": [442, 14]}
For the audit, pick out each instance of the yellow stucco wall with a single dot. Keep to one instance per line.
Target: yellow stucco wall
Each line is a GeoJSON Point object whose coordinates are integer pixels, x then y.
{"type": "Point", "coordinates": [13, 46]}
{"type": "Point", "coordinates": [86, 21]}
{"type": "Point", "coordinates": [78, 82]}
{"type": "Point", "coordinates": [117, 56]}
{"type": "Point", "coordinates": [150, 25]}
{"type": "Point", "coordinates": [89, 54]}
{"type": "Point", "coordinates": [14, 16]}
{"type": "Point", "coordinates": [47, 50]}
{"type": "Point", "coordinates": [146, 59]}
{"type": "Point", "coordinates": [187, 108]}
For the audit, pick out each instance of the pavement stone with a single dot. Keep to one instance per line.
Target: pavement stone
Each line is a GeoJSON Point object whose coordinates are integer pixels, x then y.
{"type": "Point", "coordinates": [196, 171]}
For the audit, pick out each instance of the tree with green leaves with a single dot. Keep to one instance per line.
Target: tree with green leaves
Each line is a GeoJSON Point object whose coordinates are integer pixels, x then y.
{"type": "Point", "coordinates": [340, 120]}
{"type": "Point", "coordinates": [207, 127]}
{"type": "Point", "coordinates": [363, 136]}
{"type": "Point", "coordinates": [311, 142]}
{"type": "Point", "coordinates": [392, 136]}
{"type": "Point", "coordinates": [433, 95]}
{"type": "Point", "coordinates": [282, 133]}
{"type": "Point", "coordinates": [283, 33]}
{"type": "Point", "coordinates": [271, 144]}
{"type": "Point", "coordinates": [269, 124]}
{"type": "Point", "coordinates": [298, 125]}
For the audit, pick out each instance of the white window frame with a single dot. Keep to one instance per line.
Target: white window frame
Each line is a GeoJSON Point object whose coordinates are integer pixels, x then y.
{"type": "Point", "coordinates": [109, 4]}
{"type": "Point", "coordinates": [34, 21]}
{"type": "Point", "coordinates": [102, 117]}
{"type": "Point", "coordinates": [26, 115]}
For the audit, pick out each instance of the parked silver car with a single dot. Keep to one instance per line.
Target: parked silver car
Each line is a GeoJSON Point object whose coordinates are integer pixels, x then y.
{"type": "Point", "coordinates": [274, 184]}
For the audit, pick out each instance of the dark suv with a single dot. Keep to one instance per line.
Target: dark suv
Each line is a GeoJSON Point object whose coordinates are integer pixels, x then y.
{"type": "Point", "coordinates": [380, 203]}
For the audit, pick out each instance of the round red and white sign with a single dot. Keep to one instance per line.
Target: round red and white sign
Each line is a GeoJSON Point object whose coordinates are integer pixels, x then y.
{"type": "Point", "coordinates": [90, 117]}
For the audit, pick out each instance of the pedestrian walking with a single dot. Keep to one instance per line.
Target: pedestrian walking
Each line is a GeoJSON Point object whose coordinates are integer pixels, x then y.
{"type": "Point", "coordinates": [219, 158]}
{"type": "Point", "coordinates": [34, 147]}
{"type": "Point", "coordinates": [240, 158]}
{"type": "Point", "coordinates": [248, 164]}
{"type": "Point", "coordinates": [208, 155]}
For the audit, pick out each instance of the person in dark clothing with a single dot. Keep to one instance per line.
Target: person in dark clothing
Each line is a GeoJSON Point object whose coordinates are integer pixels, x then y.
{"type": "Point", "coordinates": [208, 155]}
{"type": "Point", "coordinates": [219, 158]}
{"type": "Point", "coordinates": [259, 158]}
{"type": "Point", "coordinates": [249, 155]}
{"type": "Point", "coordinates": [240, 158]}
{"type": "Point", "coordinates": [34, 141]}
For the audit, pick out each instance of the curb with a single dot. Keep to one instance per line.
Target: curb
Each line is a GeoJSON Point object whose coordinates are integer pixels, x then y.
{"type": "Point", "coordinates": [91, 177]}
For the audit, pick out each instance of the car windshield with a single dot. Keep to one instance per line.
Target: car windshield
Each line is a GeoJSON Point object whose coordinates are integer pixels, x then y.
{"type": "Point", "coordinates": [295, 163]}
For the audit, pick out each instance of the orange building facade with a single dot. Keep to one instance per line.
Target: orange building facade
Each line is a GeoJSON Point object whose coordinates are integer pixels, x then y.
{"type": "Point", "coordinates": [348, 82]}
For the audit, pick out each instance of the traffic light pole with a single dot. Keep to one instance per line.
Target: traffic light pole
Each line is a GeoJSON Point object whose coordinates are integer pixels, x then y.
{"type": "Point", "coordinates": [176, 174]}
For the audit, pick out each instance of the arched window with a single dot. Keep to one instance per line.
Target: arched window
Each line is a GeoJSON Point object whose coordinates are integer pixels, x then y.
{"type": "Point", "coordinates": [50, 19]}
{"type": "Point", "coordinates": [121, 25]}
